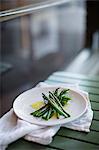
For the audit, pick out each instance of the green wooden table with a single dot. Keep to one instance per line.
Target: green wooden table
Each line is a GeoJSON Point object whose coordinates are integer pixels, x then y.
{"type": "Point", "coordinates": [67, 139]}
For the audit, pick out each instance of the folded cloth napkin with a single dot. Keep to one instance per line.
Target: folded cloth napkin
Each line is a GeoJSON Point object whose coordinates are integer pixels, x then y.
{"type": "Point", "coordinates": [13, 128]}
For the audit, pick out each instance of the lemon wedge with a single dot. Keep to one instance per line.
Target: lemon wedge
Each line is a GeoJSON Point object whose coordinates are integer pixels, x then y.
{"type": "Point", "coordinates": [37, 105]}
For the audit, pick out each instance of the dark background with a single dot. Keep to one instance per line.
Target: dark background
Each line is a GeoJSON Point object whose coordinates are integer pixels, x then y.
{"type": "Point", "coordinates": [36, 45]}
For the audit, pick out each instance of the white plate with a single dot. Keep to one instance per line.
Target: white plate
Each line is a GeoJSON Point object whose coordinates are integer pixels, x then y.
{"type": "Point", "coordinates": [22, 106]}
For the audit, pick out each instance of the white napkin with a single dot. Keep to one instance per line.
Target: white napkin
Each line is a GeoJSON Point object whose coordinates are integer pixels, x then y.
{"type": "Point", "coordinates": [13, 128]}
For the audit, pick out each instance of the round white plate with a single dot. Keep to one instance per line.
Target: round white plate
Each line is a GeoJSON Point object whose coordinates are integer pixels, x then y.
{"type": "Point", "coordinates": [22, 106]}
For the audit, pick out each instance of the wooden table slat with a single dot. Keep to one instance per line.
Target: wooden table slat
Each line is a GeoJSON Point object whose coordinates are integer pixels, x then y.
{"type": "Point", "coordinates": [90, 90]}
{"type": "Point", "coordinates": [92, 137]}
{"type": "Point", "coordinates": [94, 98]}
{"type": "Point", "coordinates": [95, 125]}
{"type": "Point", "coordinates": [69, 144]}
{"type": "Point", "coordinates": [95, 106]}
{"type": "Point", "coordinates": [22, 144]}
{"type": "Point", "coordinates": [96, 115]}
{"type": "Point", "coordinates": [77, 76]}
{"type": "Point", "coordinates": [73, 80]}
